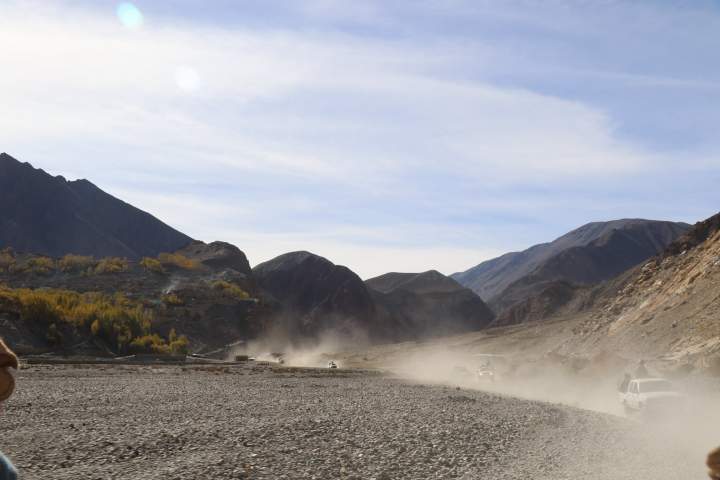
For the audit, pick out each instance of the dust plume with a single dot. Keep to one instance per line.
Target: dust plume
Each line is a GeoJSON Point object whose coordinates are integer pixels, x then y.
{"type": "Point", "coordinates": [172, 285]}
{"type": "Point", "coordinates": [685, 434]}
{"type": "Point", "coordinates": [281, 343]}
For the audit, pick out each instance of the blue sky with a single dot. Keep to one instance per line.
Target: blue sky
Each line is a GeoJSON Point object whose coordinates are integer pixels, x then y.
{"type": "Point", "coordinates": [384, 135]}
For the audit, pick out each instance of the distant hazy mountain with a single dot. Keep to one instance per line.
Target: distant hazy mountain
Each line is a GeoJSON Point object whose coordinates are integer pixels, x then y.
{"type": "Point", "coordinates": [429, 303]}
{"type": "Point", "coordinates": [48, 215]}
{"type": "Point", "coordinates": [592, 253]}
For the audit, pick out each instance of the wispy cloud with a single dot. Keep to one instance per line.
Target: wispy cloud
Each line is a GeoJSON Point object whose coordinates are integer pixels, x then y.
{"type": "Point", "coordinates": [289, 137]}
{"type": "Point", "coordinates": [88, 77]}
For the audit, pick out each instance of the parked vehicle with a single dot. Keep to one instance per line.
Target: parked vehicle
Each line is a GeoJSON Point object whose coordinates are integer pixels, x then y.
{"type": "Point", "coordinates": [332, 364]}
{"type": "Point", "coordinates": [651, 396]}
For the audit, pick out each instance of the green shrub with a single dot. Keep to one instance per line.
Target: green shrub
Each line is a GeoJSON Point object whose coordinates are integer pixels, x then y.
{"type": "Point", "coordinates": [230, 289]}
{"type": "Point", "coordinates": [178, 344]}
{"type": "Point", "coordinates": [178, 260]}
{"type": "Point", "coordinates": [118, 326]}
{"type": "Point", "coordinates": [38, 310]}
{"type": "Point", "coordinates": [7, 260]}
{"type": "Point", "coordinates": [172, 300]}
{"type": "Point", "coordinates": [152, 265]}
{"type": "Point", "coordinates": [112, 265]}
{"type": "Point", "coordinates": [123, 324]}
{"type": "Point", "coordinates": [76, 263]}
{"type": "Point", "coordinates": [41, 265]}
{"type": "Point", "coordinates": [8, 301]}
{"type": "Point", "coordinates": [151, 343]}
{"type": "Point", "coordinates": [154, 343]}
{"type": "Point", "coordinates": [113, 318]}
{"type": "Point", "coordinates": [18, 268]}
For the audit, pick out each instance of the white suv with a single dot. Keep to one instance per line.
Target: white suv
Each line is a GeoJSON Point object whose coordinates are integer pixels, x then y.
{"type": "Point", "coordinates": [650, 395]}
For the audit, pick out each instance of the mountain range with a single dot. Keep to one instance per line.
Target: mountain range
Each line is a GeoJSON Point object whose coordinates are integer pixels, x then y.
{"type": "Point", "coordinates": [587, 255]}
{"type": "Point", "coordinates": [318, 296]}
{"type": "Point", "coordinates": [210, 293]}
{"type": "Point", "coordinates": [665, 308]}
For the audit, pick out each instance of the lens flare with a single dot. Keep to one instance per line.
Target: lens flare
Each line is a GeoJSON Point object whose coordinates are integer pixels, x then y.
{"type": "Point", "coordinates": [187, 79]}
{"type": "Point", "coordinates": [129, 15]}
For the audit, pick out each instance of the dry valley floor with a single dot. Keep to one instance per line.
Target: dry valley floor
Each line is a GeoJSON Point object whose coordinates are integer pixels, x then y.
{"type": "Point", "coordinates": [263, 422]}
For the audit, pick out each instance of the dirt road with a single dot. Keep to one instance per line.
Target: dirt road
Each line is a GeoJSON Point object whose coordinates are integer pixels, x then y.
{"type": "Point", "coordinates": [256, 421]}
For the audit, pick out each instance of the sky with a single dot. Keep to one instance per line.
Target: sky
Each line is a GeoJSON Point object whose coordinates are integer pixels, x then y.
{"type": "Point", "coordinates": [383, 135]}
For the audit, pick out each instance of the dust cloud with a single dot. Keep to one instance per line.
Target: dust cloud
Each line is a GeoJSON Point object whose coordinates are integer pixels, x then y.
{"type": "Point", "coordinates": [684, 435]}
{"type": "Point", "coordinates": [283, 345]}
{"type": "Point", "coordinates": [545, 379]}
{"type": "Point", "coordinates": [688, 432]}
{"type": "Point", "coordinates": [172, 285]}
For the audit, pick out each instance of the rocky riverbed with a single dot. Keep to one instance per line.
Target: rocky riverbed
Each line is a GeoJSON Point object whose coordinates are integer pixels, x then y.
{"type": "Point", "coordinates": [259, 421]}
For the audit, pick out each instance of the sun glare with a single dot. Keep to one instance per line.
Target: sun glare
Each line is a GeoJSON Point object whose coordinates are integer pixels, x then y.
{"type": "Point", "coordinates": [129, 15]}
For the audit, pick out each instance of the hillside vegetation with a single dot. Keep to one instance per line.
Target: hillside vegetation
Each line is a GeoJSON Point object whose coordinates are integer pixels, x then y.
{"type": "Point", "coordinates": [125, 326]}
{"type": "Point", "coordinates": [164, 305]}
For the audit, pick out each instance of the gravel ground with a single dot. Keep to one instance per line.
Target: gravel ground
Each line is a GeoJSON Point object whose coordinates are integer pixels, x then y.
{"type": "Point", "coordinates": [261, 422]}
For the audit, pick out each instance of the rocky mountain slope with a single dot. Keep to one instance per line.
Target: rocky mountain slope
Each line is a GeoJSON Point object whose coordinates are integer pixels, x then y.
{"type": "Point", "coordinates": [429, 303]}
{"type": "Point", "coordinates": [590, 254]}
{"type": "Point", "coordinates": [49, 215]}
{"type": "Point", "coordinates": [219, 256]}
{"type": "Point", "coordinates": [667, 309]}
{"type": "Point", "coordinates": [318, 296]}
{"type": "Point", "coordinates": [668, 306]}
{"type": "Point", "coordinates": [551, 299]}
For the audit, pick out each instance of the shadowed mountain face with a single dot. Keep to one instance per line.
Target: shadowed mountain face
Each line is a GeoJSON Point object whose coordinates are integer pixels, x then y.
{"type": "Point", "coordinates": [317, 295]}
{"type": "Point", "coordinates": [693, 237]}
{"type": "Point", "coordinates": [48, 215]}
{"type": "Point", "coordinates": [429, 303]}
{"type": "Point", "coordinates": [592, 253]}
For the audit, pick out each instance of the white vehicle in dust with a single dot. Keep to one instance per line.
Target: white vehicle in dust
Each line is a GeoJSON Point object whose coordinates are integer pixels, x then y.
{"type": "Point", "coordinates": [651, 396]}
{"type": "Point", "coordinates": [485, 373]}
